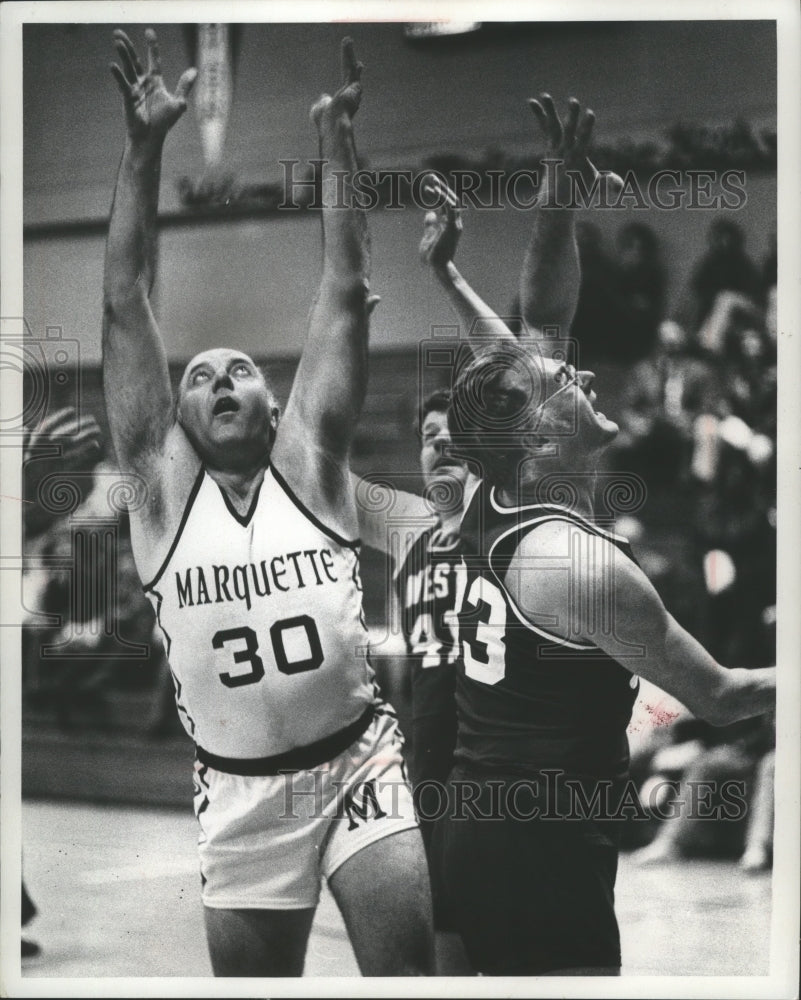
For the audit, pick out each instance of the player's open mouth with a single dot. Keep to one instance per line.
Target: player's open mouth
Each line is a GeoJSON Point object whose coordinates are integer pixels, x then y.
{"type": "Point", "coordinates": [225, 405]}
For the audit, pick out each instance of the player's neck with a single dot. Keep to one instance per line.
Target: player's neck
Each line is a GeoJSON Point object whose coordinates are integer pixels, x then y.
{"type": "Point", "coordinates": [573, 491]}
{"type": "Point", "coordinates": [239, 484]}
{"type": "Point", "coordinates": [449, 524]}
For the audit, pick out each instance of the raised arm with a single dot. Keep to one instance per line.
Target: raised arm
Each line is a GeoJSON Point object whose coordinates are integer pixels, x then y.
{"type": "Point", "coordinates": [565, 575]}
{"type": "Point", "coordinates": [331, 380]}
{"type": "Point", "coordinates": [549, 282]}
{"type": "Point", "coordinates": [441, 233]}
{"type": "Point", "coordinates": [135, 373]}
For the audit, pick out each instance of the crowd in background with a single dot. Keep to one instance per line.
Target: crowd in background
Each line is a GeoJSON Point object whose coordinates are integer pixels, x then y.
{"type": "Point", "coordinates": [698, 425]}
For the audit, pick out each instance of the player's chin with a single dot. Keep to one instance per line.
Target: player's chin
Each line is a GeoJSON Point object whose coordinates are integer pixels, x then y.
{"type": "Point", "coordinates": [610, 426]}
{"type": "Point", "coordinates": [225, 434]}
{"type": "Point", "coordinates": [448, 472]}
{"type": "Point", "coordinates": [606, 430]}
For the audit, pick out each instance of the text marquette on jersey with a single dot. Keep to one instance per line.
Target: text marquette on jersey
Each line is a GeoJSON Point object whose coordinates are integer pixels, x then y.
{"type": "Point", "coordinates": [291, 571]}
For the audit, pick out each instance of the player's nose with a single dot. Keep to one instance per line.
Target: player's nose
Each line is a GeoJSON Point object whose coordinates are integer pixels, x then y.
{"type": "Point", "coordinates": [586, 378]}
{"type": "Point", "coordinates": [443, 440]}
{"type": "Point", "coordinates": [222, 380]}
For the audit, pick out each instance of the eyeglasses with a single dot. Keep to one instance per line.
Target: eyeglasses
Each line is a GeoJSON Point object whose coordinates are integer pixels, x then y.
{"type": "Point", "coordinates": [566, 376]}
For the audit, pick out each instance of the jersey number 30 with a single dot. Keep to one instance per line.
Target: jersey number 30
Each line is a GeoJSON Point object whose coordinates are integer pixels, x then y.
{"type": "Point", "coordinates": [249, 653]}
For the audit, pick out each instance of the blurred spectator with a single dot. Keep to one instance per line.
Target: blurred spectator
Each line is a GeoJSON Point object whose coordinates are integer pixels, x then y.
{"type": "Point", "coordinates": [63, 442]}
{"type": "Point", "coordinates": [73, 669]}
{"type": "Point", "coordinates": [595, 324]}
{"type": "Point", "coordinates": [724, 267]}
{"type": "Point", "coordinates": [730, 312]}
{"type": "Point", "coordinates": [664, 396]}
{"type": "Point", "coordinates": [735, 465]}
{"type": "Point", "coordinates": [641, 287]}
{"type": "Point", "coordinates": [702, 788]}
{"type": "Point", "coordinates": [758, 853]}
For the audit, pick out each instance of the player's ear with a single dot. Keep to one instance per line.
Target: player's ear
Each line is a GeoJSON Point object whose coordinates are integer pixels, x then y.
{"type": "Point", "coordinates": [541, 446]}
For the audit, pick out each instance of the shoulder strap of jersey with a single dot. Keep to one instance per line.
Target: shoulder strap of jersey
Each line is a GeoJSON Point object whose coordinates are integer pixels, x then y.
{"type": "Point", "coordinates": [348, 543]}
{"type": "Point", "coordinates": [522, 521]}
{"type": "Point", "coordinates": [190, 502]}
{"type": "Point", "coordinates": [523, 511]}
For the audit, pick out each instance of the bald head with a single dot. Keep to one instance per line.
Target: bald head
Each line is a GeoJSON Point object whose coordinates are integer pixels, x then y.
{"type": "Point", "coordinates": [227, 408]}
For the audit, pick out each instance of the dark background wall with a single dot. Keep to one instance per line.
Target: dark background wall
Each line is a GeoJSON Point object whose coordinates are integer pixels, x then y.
{"type": "Point", "coordinates": [250, 282]}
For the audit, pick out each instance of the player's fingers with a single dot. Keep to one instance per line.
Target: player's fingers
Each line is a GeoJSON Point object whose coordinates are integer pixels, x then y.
{"type": "Point", "coordinates": [185, 84]}
{"type": "Point", "coordinates": [153, 52]}
{"type": "Point", "coordinates": [453, 213]}
{"type": "Point", "coordinates": [571, 121]}
{"type": "Point", "coordinates": [372, 302]}
{"type": "Point", "coordinates": [431, 187]}
{"type": "Point", "coordinates": [554, 125]}
{"type": "Point", "coordinates": [128, 67]}
{"type": "Point", "coordinates": [63, 415]}
{"type": "Point", "coordinates": [119, 76]}
{"type": "Point", "coordinates": [87, 439]}
{"type": "Point", "coordinates": [539, 114]}
{"type": "Point", "coordinates": [351, 67]}
{"type": "Point", "coordinates": [123, 39]}
{"type": "Point", "coordinates": [450, 197]}
{"type": "Point", "coordinates": [436, 185]}
{"type": "Point", "coordinates": [584, 131]}
{"type": "Point", "coordinates": [442, 187]}
{"type": "Point", "coordinates": [88, 426]}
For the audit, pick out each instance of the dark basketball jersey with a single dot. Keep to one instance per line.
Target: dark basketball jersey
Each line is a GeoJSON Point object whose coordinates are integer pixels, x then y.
{"type": "Point", "coordinates": [527, 698]}
{"type": "Point", "coordinates": [426, 584]}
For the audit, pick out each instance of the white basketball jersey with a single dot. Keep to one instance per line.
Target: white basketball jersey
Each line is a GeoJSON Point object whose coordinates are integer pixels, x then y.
{"type": "Point", "coordinates": [262, 621]}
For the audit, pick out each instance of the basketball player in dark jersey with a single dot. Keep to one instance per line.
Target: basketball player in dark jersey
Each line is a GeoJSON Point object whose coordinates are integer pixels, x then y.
{"type": "Point", "coordinates": [425, 551]}
{"type": "Point", "coordinates": [556, 624]}
{"type": "Point", "coordinates": [425, 574]}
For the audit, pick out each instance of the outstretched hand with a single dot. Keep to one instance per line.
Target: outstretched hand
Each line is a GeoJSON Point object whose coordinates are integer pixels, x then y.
{"type": "Point", "coordinates": [441, 228]}
{"type": "Point", "coordinates": [570, 142]}
{"type": "Point", "coordinates": [150, 109]}
{"type": "Point", "coordinates": [77, 435]}
{"type": "Point", "coordinates": [344, 104]}
{"type": "Point", "coordinates": [63, 443]}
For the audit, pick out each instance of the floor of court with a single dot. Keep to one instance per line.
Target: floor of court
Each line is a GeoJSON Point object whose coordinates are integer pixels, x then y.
{"type": "Point", "coordinates": [118, 895]}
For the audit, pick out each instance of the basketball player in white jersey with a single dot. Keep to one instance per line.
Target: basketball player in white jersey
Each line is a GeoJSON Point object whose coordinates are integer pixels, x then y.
{"type": "Point", "coordinates": [247, 546]}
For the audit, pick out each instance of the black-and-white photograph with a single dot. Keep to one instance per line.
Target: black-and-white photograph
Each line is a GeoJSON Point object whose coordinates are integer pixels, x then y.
{"type": "Point", "coordinates": [399, 500]}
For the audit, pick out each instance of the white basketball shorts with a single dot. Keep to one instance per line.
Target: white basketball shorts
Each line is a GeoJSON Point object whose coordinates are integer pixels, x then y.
{"type": "Point", "coordinates": [266, 842]}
